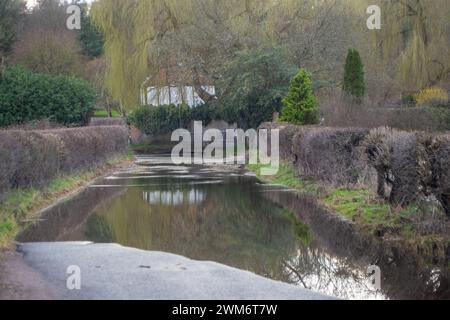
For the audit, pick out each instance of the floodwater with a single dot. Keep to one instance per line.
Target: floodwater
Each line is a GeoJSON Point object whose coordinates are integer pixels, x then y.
{"type": "Point", "coordinates": [225, 215]}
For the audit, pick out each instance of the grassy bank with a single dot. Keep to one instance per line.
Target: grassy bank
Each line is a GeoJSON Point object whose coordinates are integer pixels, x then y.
{"type": "Point", "coordinates": [24, 204]}
{"type": "Point", "coordinates": [368, 212]}
{"type": "Point", "coordinates": [104, 114]}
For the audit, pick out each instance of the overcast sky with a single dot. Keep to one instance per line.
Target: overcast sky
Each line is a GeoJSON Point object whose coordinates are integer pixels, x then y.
{"type": "Point", "coordinates": [31, 3]}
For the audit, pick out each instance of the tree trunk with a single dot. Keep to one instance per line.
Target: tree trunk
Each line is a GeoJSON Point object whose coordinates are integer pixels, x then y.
{"type": "Point", "coordinates": [2, 66]}
{"type": "Point", "coordinates": [202, 93]}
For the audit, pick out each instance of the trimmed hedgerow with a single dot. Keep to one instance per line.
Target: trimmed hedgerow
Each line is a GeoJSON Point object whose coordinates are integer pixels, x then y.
{"type": "Point", "coordinates": [160, 119]}
{"type": "Point", "coordinates": [406, 167]}
{"type": "Point", "coordinates": [287, 134]}
{"type": "Point", "coordinates": [32, 158]}
{"type": "Point", "coordinates": [402, 163]}
{"type": "Point", "coordinates": [26, 96]}
{"type": "Point", "coordinates": [330, 154]}
{"type": "Point", "coordinates": [96, 122]}
{"type": "Point", "coordinates": [167, 118]}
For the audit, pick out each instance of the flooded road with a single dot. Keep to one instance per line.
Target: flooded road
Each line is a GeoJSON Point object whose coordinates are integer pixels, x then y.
{"type": "Point", "coordinates": [214, 214]}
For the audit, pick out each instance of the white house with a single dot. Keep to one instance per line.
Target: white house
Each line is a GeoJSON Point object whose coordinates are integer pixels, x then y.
{"type": "Point", "coordinates": [175, 95]}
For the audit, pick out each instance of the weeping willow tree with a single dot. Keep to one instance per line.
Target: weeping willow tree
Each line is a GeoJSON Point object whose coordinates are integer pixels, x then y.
{"type": "Point", "coordinates": [132, 31]}
{"type": "Point", "coordinates": [414, 36]}
{"type": "Point", "coordinates": [142, 35]}
{"type": "Point", "coordinates": [130, 28]}
{"type": "Point", "coordinates": [193, 39]}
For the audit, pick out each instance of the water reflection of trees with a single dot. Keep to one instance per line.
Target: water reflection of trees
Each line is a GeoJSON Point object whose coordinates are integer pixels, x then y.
{"type": "Point", "coordinates": [65, 221]}
{"type": "Point", "coordinates": [231, 225]}
{"type": "Point", "coordinates": [234, 225]}
{"type": "Point", "coordinates": [314, 269]}
{"type": "Point", "coordinates": [98, 230]}
{"type": "Point", "coordinates": [342, 251]}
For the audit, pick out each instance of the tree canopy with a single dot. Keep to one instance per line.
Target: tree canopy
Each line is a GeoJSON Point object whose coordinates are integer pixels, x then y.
{"type": "Point", "coordinates": [10, 11]}
{"type": "Point", "coordinates": [186, 42]}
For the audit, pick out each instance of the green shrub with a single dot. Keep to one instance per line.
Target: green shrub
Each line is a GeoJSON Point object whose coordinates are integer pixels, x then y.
{"type": "Point", "coordinates": [409, 100]}
{"type": "Point", "coordinates": [164, 119]}
{"type": "Point", "coordinates": [300, 105]}
{"type": "Point", "coordinates": [252, 86]}
{"type": "Point", "coordinates": [205, 113]}
{"type": "Point", "coordinates": [161, 119]}
{"type": "Point", "coordinates": [26, 96]}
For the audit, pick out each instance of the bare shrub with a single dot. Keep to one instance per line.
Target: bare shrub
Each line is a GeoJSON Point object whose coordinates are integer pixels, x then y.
{"type": "Point", "coordinates": [32, 158]}
{"type": "Point", "coordinates": [95, 122]}
{"type": "Point", "coordinates": [401, 161]}
{"type": "Point", "coordinates": [44, 124]}
{"type": "Point", "coordinates": [439, 155]}
{"type": "Point", "coordinates": [407, 167]}
{"type": "Point", "coordinates": [287, 133]}
{"type": "Point", "coordinates": [337, 113]}
{"type": "Point", "coordinates": [330, 154]}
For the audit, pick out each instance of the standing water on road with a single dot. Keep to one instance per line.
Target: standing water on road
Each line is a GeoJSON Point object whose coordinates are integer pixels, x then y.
{"type": "Point", "coordinates": [216, 214]}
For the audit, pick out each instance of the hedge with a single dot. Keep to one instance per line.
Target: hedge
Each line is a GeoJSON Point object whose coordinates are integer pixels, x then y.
{"type": "Point", "coordinates": [96, 122]}
{"type": "Point", "coordinates": [33, 158]}
{"type": "Point", "coordinates": [404, 167]}
{"type": "Point", "coordinates": [167, 118]}
{"type": "Point", "coordinates": [331, 154]}
{"type": "Point", "coordinates": [26, 96]}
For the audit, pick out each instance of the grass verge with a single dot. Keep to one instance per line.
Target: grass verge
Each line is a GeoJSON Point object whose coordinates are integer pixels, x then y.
{"type": "Point", "coordinates": [22, 204]}
{"type": "Point", "coordinates": [104, 114]}
{"type": "Point", "coordinates": [356, 204]}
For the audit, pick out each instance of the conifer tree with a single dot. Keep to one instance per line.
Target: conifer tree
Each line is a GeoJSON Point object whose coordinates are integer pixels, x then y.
{"type": "Point", "coordinates": [354, 85]}
{"type": "Point", "coordinates": [300, 105]}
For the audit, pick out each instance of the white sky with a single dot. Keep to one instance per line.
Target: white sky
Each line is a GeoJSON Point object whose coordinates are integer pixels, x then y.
{"type": "Point", "coordinates": [32, 3]}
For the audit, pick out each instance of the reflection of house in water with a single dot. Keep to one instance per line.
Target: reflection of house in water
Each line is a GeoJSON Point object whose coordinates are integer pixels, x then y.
{"type": "Point", "coordinates": [174, 198]}
{"type": "Point", "coordinates": [176, 95]}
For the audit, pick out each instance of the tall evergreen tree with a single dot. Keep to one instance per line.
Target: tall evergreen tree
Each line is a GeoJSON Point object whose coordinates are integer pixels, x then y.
{"type": "Point", "coordinates": [10, 11]}
{"type": "Point", "coordinates": [90, 36]}
{"type": "Point", "coordinates": [300, 105]}
{"type": "Point", "coordinates": [354, 85]}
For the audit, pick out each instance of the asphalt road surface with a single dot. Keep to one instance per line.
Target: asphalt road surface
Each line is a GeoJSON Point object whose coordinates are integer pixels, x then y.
{"type": "Point", "coordinates": [110, 271]}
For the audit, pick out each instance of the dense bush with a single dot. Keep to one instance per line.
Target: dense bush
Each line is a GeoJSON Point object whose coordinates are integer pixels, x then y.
{"type": "Point", "coordinates": [167, 118]}
{"type": "Point", "coordinates": [32, 158]}
{"type": "Point", "coordinates": [27, 96]}
{"type": "Point", "coordinates": [252, 86]}
{"type": "Point", "coordinates": [160, 119]}
{"type": "Point", "coordinates": [300, 105]}
{"type": "Point", "coordinates": [205, 113]}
